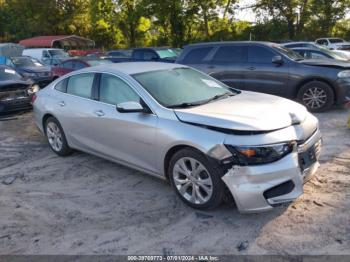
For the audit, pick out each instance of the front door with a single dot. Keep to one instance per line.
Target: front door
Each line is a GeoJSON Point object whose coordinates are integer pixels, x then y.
{"type": "Point", "coordinates": [127, 137]}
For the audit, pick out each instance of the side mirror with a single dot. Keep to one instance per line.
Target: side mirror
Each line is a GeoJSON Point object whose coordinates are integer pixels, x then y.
{"type": "Point", "coordinates": [130, 107]}
{"type": "Point", "coordinates": [278, 60]}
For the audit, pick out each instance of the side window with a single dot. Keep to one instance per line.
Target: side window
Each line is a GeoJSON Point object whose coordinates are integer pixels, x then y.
{"type": "Point", "coordinates": [67, 65]}
{"type": "Point", "coordinates": [259, 55]}
{"type": "Point", "coordinates": [81, 85]}
{"type": "Point", "coordinates": [62, 85]}
{"type": "Point", "coordinates": [197, 55]}
{"type": "Point", "coordinates": [317, 55]}
{"type": "Point", "coordinates": [114, 91]}
{"type": "Point", "coordinates": [230, 54]}
{"type": "Point", "coordinates": [78, 65]}
{"type": "Point", "coordinates": [149, 55]}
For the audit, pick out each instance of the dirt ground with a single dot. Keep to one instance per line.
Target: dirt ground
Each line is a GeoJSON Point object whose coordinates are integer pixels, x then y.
{"type": "Point", "coordinates": [83, 204]}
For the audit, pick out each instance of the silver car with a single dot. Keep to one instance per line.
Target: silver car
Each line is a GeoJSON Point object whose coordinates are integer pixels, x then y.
{"type": "Point", "coordinates": [179, 124]}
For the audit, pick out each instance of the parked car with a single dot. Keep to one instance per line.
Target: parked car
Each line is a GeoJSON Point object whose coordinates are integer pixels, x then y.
{"type": "Point", "coordinates": [177, 123]}
{"type": "Point", "coordinates": [15, 91]}
{"type": "Point", "coordinates": [47, 56]}
{"type": "Point", "coordinates": [120, 53]}
{"type": "Point", "coordinates": [147, 54]}
{"type": "Point", "coordinates": [30, 67]}
{"type": "Point", "coordinates": [73, 64]}
{"type": "Point", "coordinates": [270, 68]}
{"type": "Point", "coordinates": [334, 43]}
{"type": "Point", "coordinates": [343, 53]}
{"type": "Point", "coordinates": [313, 53]}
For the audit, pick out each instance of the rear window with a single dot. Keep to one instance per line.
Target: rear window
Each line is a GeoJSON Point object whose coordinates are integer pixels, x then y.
{"type": "Point", "coordinates": [230, 54]}
{"type": "Point", "coordinates": [197, 55]}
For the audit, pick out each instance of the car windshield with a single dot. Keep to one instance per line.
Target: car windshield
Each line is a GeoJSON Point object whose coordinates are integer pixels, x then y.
{"type": "Point", "coordinates": [98, 62]}
{"type": "Point", "coordinates": [288, 53]}
{"type": "Point", "coordinates": [333, 54]}
{"type": "Point", "coordinates": [8, 74]}
{"type": "Point", "coordinates": [25, 61]}
{"type": "Point", "coordinates": [183, 87]}
{"type": "Point", "coordinates": [336, 40]}
{"type": "Point", "coordinates": [58, 53]}
{"type": "Point", "coordinates": [166, 53]}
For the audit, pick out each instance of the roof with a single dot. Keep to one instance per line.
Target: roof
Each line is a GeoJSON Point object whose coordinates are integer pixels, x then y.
{"type": "Point", "coordinates": [231, 42]}
{"type": "Point", "coordinates": [47, 41]}
{"type": "Point", "coordinates": [131, 68]}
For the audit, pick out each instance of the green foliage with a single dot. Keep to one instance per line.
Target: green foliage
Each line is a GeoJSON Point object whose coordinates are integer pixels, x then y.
{"type": "Point", "coordinates": [130, 23]}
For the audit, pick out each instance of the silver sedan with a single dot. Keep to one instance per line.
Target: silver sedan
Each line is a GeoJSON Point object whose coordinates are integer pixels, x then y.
{"type": "Point", "coordinates": [179, 124]}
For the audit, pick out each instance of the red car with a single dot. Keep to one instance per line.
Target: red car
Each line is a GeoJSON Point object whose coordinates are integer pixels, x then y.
{"type": "Point", "coordinates": [73, 64]}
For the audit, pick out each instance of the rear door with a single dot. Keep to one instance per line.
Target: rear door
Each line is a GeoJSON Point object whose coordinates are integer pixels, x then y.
{"type": "Point", "coordinates": [75, 111]}
{"type": "Point", "coordinates": [264, 76]}
{"type": "Point", "coordinates": [229, 64]}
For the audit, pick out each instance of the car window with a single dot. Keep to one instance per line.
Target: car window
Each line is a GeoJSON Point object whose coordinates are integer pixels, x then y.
{"type": "Point", "coordinates": [258, 54]}
{"type": "Point", "coordinates": [149, 55]}
{"type": "Point", "coordinates": [230, 54]}
{"type": "Point", "coordinates": [114, 91]}
{"type": "Point", "coordinates": [62, 85]}
{"type": "Point", "coordinates": [67, 65]}
{"type": "Point", "coordinates": [81, 85]}
{"type": "Point", "coordinates": [317, 55]}
{"type": "Point", "coordinates": [322, 42]}
{"type": "Point", "coordinates": [197, 55]}
{"type": "Point", "coordinates": [293, 45]}
{"type": "Point", "coordinates": [79, 65]}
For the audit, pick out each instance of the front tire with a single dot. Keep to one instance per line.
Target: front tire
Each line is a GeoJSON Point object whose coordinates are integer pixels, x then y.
{"type": "Point", "coordinates": [317, 96]}
{"type": "Point", "coordinates": [56, 137]}
{"type": "Point", "coordinates": [196, 179]}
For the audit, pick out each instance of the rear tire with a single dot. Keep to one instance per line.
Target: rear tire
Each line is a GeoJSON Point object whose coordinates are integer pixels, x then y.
{"type": "Point", "coordinates": [56, 137]}
{"type": "Point", "coordinates": [196, 179]}
{"type": "Point", "coordinates": [316, 96]}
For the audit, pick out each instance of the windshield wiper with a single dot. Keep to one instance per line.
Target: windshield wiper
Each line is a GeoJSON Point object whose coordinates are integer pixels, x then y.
{"type": "Point", "coordinates": [221, 96]}
{"type": "Point", "coordinates": [184, 105]}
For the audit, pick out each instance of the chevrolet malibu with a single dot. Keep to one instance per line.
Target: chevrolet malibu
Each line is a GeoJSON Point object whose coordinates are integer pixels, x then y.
{"type": "Point", "coordinates": [174, 122]}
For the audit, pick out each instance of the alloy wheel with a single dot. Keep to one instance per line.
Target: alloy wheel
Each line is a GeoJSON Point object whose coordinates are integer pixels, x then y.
{"type": "Point", "coordinates": [192, 180]}
{"type": "Point", "coordinates": [315, 97]}
{"type": "Point", "coordinates": [54, 136]}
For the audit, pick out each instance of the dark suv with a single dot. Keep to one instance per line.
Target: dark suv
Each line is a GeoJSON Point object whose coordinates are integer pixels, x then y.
{"type": "Point", "coordinates": [270, 68]}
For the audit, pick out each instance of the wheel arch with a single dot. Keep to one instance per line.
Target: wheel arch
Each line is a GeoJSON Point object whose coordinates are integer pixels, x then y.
{"type": "Point", "coordinates": [314, 79]}
{"type": "Point", "coordinates": [44, 119]}
{"type": "Point", "coordinates": [171, 152]}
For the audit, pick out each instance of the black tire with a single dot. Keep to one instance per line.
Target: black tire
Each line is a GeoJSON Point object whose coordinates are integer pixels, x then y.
{"type": "Point", "coordinates": [326, 97]}
{"type": "Point", "coordinates": [64, 150]}
{"type": "Point", "coordinates": [214, 171]}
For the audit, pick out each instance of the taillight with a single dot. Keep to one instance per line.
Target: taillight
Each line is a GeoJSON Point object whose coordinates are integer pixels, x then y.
{"type": "Point", "coordinates": [33, 98]}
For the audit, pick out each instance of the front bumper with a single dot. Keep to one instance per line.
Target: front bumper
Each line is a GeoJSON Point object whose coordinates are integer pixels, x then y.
{"type": "Point", "coordinates": [259, 188]}
{"type": "Point", "coordinates": [343, 91]}
{"type": "Point", "coordinates": [15, 105]}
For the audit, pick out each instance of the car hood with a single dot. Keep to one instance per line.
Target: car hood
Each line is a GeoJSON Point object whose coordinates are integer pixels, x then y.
{"type": "Point", "coordinates": [247, 111]}
{"type": "Point", "coordinates": [8, 85]}
{"type": "Point", "coordinates": [34, 69]}
{"type": "Point", "coordinates": [327, 63]}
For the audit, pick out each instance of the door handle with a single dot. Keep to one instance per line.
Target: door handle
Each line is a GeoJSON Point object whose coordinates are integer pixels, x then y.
{"type": "Point", "coordinates": [99, 113]}
{"type": "Point", "coordinates": [251, 68]}
{"type": "Point", "coordinates": [62, 103]}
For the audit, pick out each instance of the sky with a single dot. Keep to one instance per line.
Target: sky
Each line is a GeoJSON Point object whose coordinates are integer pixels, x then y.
{"type": "Point", "coordinates": [245, 14]}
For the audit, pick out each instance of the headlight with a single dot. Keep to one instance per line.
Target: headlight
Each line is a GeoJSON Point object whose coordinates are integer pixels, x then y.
{"type": "Point", "coordinates": [33, 89]}
{"type": "Point", "coordinates": [344, 74]}
{"type": "Point", "coordinates": [257, 155]}
{"type": "Point", "coordinates": [25, 74]}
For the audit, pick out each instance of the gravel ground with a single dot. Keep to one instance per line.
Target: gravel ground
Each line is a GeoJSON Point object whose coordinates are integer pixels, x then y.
{"type": "Point", "coordinates": [83, 204]}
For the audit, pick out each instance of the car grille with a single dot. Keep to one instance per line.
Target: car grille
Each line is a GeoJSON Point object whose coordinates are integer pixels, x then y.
{"type": "Point", "coordinates": [13, 95]}
{"type": "Point", "coordinates": [310, 156]}
{"type": "Point", "coordinates": [344, 47]}
{"type": "Point", "coordinates": [43, 74]}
